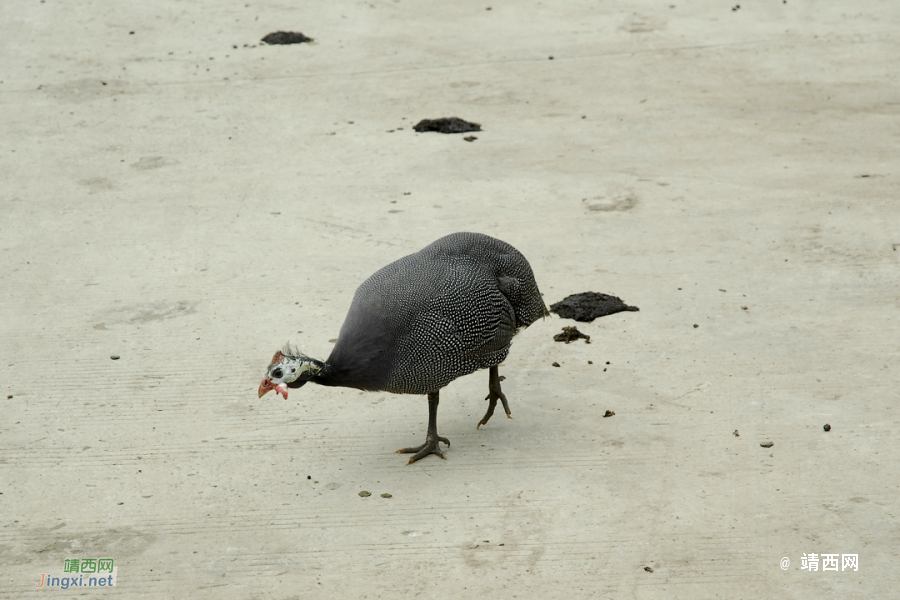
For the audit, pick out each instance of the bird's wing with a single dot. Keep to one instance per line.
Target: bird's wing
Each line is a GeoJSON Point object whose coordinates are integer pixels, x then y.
{"type": "Point", "coordinates": [481, 319]}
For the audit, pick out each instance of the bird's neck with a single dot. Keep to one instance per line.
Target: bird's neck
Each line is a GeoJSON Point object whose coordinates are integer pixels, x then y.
{"type": "Point", "coordinates": [332, 377]}
{"type": "Point", "coordinates": [311, 369]}
{"type": "Point", "coordinates": [327, 374]}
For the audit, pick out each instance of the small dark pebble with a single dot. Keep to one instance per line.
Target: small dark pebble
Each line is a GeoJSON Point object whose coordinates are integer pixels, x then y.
{"type": "Point", "coordinates": [549, 58]}
{"type": "Point", "coordinates": [9, 397]}
{"type": "Point", "coordinates": [115, 357]}
{"type": "Point", "coordinates": [470, 138]}
{"type": "Point", "coordinates": [826, 428]}
{"type": "Point", "coordinates": [364, 494]}
{"type": "Point", "coordinates": [767, 444]}
{"type": "Point", "coordinates": [570, 334]}
{"type": "Point", "coordinates": [587, 306]}
{"type": "Point", "coordinates": [590, 362]}
{"type": "Point", "coordinates": [696, 326]}
{"type": "Point", "coordinates": [555, 364]}
{"type": "Point", "coordinates": [386, 495]}
{"type": "Point", "coordinates": [446, 125]}
{"type": "Point", "coordinates": [309, 476]}
{"type": "Point", "coordinates": [609, 413]}
{"type": "Point", "coordinates": [736, 434]}
{"type": "Point", "coordinates": [286, 37]}
{"type": "Point", "coordinates": [648, 569]}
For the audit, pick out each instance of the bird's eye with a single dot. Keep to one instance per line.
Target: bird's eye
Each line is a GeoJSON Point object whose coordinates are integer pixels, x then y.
{"type": "Point", "coordinates": [277, 373]}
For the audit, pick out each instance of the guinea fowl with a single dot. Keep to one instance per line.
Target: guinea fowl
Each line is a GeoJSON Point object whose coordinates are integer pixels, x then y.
{"type": "Point", "coordinates": [421, 322]}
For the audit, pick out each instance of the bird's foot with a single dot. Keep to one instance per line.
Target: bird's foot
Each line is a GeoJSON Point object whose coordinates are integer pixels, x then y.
{"type": "Point", "coordinates": [431, 446]}
{"type": "Point", "coordinates": [494, 395]}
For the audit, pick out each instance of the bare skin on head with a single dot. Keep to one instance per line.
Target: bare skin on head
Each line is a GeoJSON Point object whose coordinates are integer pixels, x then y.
{"type": "Point", "coordinates": [288, 368]}
{"type": "Point", "coordinates": [267, 384]}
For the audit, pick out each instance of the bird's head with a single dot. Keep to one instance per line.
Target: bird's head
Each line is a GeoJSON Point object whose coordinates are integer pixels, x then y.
{"type": "Point", "coordinates": [289, 368]}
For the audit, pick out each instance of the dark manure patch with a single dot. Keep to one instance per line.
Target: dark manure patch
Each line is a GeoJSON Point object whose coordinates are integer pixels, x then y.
{"type": "Point", "coordinates": [587, 306]}
{"type": "Point", "coordinates": [446, 125]}
{"type": "Point", "coordinates": [570, 334]}
{"type": "Point", "coordinates": [286, 37]}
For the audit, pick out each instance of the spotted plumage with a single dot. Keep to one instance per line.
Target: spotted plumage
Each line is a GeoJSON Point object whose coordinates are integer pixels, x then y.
{"type": "Point", "coordinates": [426, 319]}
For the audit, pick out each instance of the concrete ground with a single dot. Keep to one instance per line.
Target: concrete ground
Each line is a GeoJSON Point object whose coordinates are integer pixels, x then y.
{"type": "Point", "coordinates": [176, 194]}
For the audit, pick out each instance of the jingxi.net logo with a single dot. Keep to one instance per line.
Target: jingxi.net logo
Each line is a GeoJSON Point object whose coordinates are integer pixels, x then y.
{"type": "Point", "coordinates": [83, 572]}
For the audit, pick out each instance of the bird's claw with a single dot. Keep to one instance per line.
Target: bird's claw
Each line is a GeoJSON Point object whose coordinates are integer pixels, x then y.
{"type": "Point", "coordinates": [493, 396]}
{"type": "Point", "coordinates": [431, 446]}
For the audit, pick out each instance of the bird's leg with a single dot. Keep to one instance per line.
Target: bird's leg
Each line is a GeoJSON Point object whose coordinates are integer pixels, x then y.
{"type": "Point", "coordinates": [432, 439]}
{"type": "Point", "coordinates": [494, 394]}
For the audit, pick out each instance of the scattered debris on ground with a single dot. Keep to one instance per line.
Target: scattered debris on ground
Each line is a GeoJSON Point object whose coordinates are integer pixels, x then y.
{"type": "Point", "coordinates": [767, 444]}
{"type": "Point", "coordinates": [609, 413]}
{"type": "Point", "coordinates": [286, 37]}
{"type": "Point", "coordinates": [386, 495]}
{"type": "Point", "coordinates": [570, 334]}
{"type": "Point", "coordinates": [648, 569]}
{"type": "Point", "coordinates": [364, 494]}
{"type": "Point", "coordinates": [446, 125]}
{"type": "Point", "coordinates": [736, 434]}
{"type": "Point", "coordinates": [587, 306]}
{"type": "Point", "coordinates": [555, 364]}
{"type": "Point", "coordinates": [470, 138]}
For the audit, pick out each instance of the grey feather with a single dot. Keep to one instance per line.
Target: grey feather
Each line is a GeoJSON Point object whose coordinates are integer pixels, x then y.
{"type": "Point", "coordinates": [433, 316]}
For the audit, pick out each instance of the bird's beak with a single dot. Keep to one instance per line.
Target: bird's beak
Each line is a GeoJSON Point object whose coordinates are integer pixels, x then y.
{"type": "Point", "coordinates": [267, 385]}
